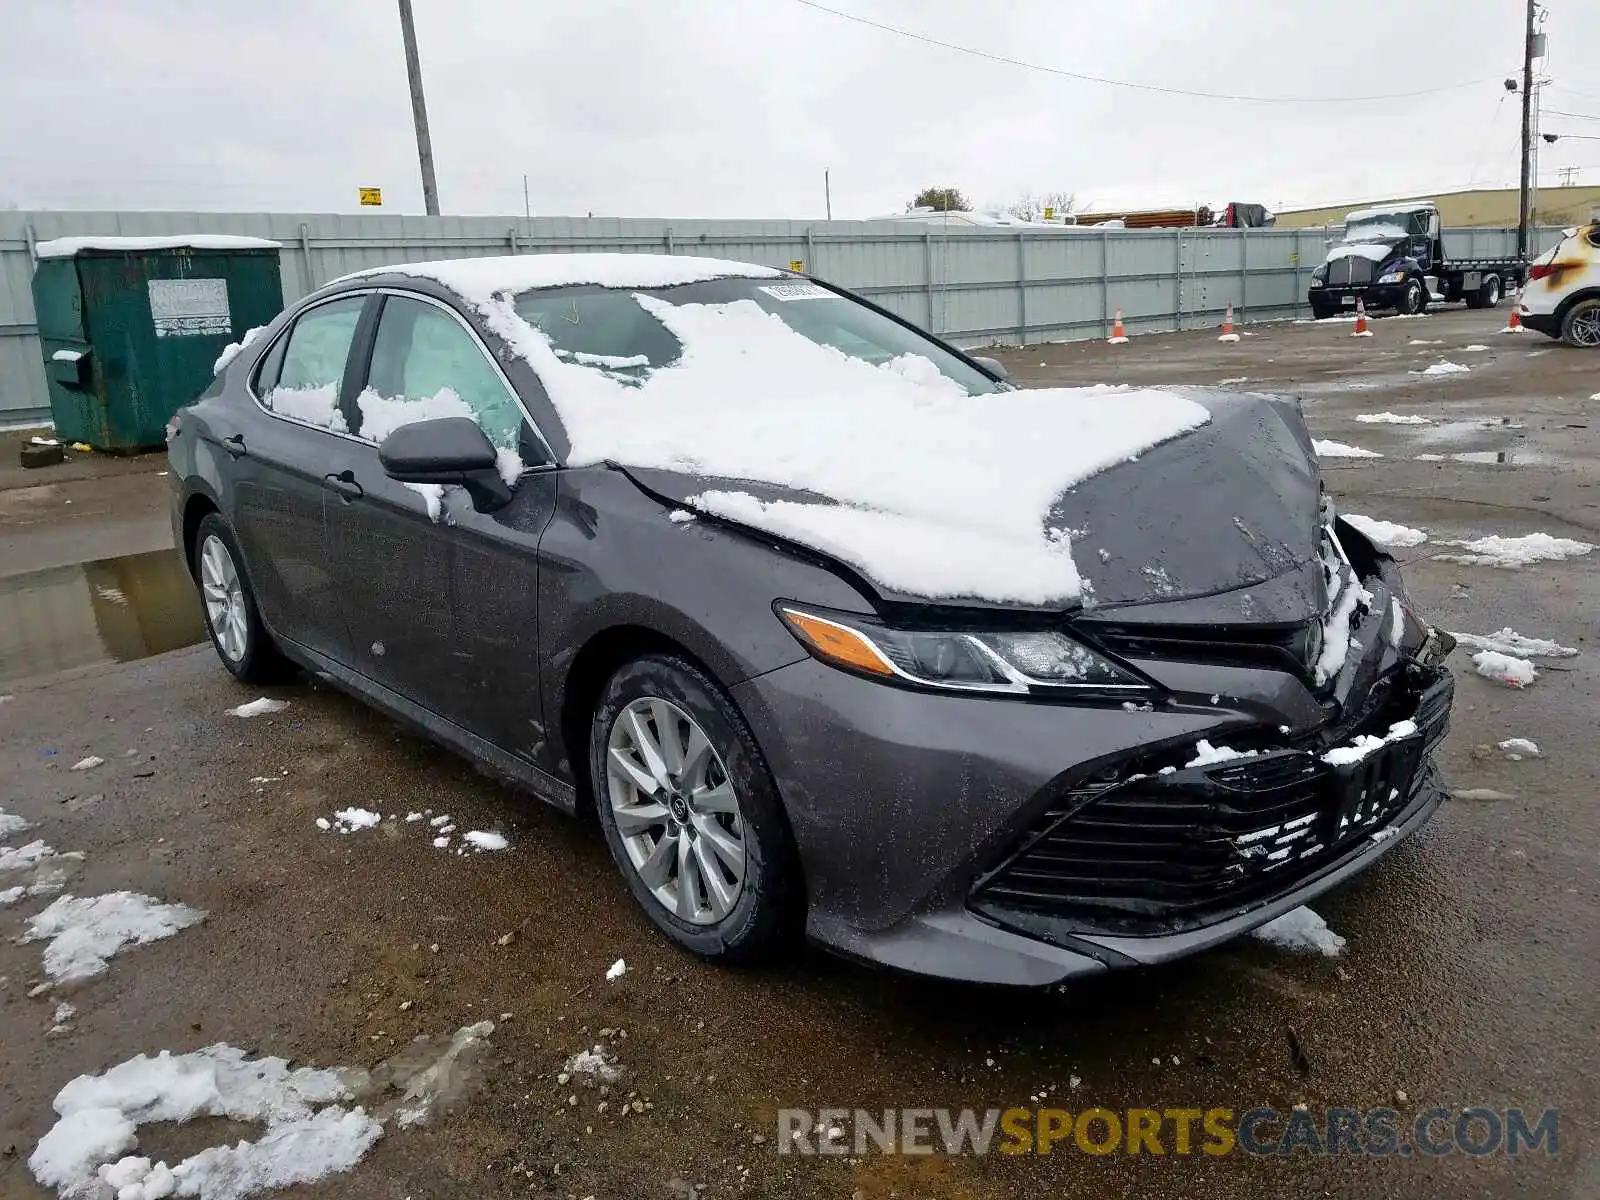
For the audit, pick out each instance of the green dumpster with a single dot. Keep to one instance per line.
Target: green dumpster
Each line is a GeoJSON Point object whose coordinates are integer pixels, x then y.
{"type": "Point", "coordinates": [131, 326]}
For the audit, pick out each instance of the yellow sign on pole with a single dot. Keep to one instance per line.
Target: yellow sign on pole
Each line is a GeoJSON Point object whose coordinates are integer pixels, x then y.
{"type": "Point", "coordinates": [372, 196]}
{"type": "Point", "coordinates": [796, 265]}
{"type": "Point", "coordinates": [1049, 213]}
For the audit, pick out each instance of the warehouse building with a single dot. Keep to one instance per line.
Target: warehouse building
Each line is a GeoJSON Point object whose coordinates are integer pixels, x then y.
{"type": "Point", "coordinates": [1485, 206]}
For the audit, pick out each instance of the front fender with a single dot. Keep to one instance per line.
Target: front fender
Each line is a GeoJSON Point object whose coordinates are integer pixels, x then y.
{"type": "Point", "coordinates": [612, 560]}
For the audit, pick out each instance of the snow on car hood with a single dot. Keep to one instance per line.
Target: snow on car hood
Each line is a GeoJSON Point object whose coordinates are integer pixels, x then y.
{"type": "Point", "coordinates": [924, 489]}
{"type": "Point", "coordinates": [1376, 251]}
{"type": "Point", "coordinates": [1219, 525]}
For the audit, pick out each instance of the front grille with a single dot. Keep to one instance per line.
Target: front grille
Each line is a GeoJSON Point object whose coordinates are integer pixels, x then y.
{"type": "Point", "coordinates": [1351, 269]}
{"type": "Point", "coordinates": [1163, 853]}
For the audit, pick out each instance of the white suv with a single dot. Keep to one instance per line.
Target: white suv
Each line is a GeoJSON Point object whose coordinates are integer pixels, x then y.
{"type": "Point", "coordinates": [1561, 297]}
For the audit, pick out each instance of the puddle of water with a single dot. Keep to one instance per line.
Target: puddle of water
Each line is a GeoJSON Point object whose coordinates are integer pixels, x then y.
{"type": "Point", "coordinates": [1506, 458]}
{"type": "Point", "coordinates": [1461, 430]}
{"type": "Point", "coordinates": [112, 610]}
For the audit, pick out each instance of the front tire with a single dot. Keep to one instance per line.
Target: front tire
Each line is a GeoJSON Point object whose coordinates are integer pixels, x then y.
{"type": "Point", "coordinates": [229, 607]}
{"type": "Point", "coordinates": [1581, 326]}
{"type": "Point", "coordinates": [1414, 299]}
{"type": "Point", "coordinates": [690, 811]}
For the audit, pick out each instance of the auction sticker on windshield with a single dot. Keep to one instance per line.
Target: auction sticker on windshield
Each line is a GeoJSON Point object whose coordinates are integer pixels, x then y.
{"type": "Point", "coordinates": [797, 291]}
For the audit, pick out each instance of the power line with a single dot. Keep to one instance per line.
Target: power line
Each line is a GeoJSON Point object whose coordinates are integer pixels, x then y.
{"type": "Point", "coordinates": [1555, 112]}
{"type": "Point", "coordinates": [1128, 83]}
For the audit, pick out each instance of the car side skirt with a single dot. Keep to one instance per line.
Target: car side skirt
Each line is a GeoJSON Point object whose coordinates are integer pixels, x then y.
{"type": "Point", "coordinates": [431, 725]}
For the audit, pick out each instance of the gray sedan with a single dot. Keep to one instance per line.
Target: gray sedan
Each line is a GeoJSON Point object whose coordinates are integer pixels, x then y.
{"type": "Point", "coordinates": [831, 628]}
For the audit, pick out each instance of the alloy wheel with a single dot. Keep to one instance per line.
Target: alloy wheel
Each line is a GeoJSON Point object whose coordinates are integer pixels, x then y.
{"type": "Point", "coordinates": [676, 810]}
{"type": "Point", "coordinates": [223, 595]}
{"type": "Point", "coordinates": [1584, 329]}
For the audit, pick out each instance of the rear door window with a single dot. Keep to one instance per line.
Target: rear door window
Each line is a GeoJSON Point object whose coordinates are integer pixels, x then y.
{"type": "Point", "coordinates": [311, 371]}
{"type": "Point", "coordinates": [427, 364]}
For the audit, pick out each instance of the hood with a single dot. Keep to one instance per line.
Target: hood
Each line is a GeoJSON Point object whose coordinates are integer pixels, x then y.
{"type": "Point", "coordinates": [1377, 250]}
{"type": "Point", "coordinates": [1230, 505]}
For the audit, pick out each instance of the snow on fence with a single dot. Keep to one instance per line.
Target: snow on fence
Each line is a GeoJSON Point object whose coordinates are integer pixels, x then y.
{"type": "Point", "coordinates": [975, 286]}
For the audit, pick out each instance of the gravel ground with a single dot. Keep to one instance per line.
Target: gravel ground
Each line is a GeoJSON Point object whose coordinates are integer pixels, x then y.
{"type": "Point", "coordinates": [1472, 973]}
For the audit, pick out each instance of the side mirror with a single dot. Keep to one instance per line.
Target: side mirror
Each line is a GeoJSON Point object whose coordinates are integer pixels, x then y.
{"type": "Point", "coordinates": [992, 365]}
{"type": "Point", "coordinates": [446, 450]}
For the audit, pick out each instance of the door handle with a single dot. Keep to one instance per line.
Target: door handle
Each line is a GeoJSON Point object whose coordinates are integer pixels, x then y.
{"type": "Point", "coordinates": [235, 446]}
{"type": "Point", "coordinates": [345, 484]}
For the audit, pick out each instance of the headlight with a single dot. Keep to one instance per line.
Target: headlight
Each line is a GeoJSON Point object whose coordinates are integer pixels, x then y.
{"type": "Point", "coordinates": [1021, 662]}
{"type": "Point", "coordinates": [1316, 281]}
{"type": "Point", "coordinates": [1393, 277]}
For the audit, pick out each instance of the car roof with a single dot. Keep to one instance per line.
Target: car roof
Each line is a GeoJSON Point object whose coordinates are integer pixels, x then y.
{"type": "Point", "coordinates": [480, 279]}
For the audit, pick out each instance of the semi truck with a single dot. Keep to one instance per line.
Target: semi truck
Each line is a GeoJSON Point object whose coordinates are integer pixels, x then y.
{"type": "Point", "coordinates": [1398, 257]}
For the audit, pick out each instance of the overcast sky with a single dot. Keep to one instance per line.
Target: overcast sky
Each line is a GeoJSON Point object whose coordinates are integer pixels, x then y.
{"type": "Point", "coordinates": [733, 108]}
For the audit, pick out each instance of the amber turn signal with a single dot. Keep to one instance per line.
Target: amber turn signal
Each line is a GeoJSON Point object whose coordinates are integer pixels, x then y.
{"type": "Point", "coordinates": [837, 643]}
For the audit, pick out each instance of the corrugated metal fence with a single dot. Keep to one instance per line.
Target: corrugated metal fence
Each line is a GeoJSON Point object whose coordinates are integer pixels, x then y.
{"type": "Point", "coordinates": [974, 286]}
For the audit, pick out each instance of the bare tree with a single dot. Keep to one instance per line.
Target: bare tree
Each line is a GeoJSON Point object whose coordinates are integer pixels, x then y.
{"type": "Point", "coordinates": [1030, 206]}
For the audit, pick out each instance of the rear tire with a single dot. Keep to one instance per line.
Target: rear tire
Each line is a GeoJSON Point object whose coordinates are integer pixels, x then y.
{"type": "Point", "coordinates": [1487, 295]}
{"type": "Point", "coordinates": [1581, 326]}
{"type": "Point", "coordinates": [691, 813]}
{"type": "Point", "coordinates": [229, 607]}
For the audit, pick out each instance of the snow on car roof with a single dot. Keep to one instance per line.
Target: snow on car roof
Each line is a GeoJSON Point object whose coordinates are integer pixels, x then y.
{"type": "Point", "coordinates": [1388, 210]}
{"type": "Point", "coordinates": [477, 279]}
{"type": "Point", "coordinates": [66, 247]}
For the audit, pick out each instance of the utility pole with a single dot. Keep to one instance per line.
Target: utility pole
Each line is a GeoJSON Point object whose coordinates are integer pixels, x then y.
{"type": "Point", "coordinates": [1525, 199]}
{"type": "Point", "coordinates": [827, 191]}
{"type": "Point", "coordinates": [419, 109]}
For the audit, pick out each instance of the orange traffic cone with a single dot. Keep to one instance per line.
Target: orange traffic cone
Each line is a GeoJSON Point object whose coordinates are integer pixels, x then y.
{"type": "Point", "coordinates": [1361, 319]}
{"type": "Point", "coordinates": [1514, 321]}
{"type": "Point", "coordinates": [1227, 334]}
{"type": "Point", "coordinates": [1117, 335]}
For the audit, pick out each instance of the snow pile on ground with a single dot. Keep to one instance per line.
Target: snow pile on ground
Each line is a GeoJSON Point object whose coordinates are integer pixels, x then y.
{"type": "Point", "coordinates": [1302, 929]}
{"type": "Point", "coordinates": [46, 882]}
{"type": "Point", "coordinates": [11, 823]}
{"type": "Point", "coordinates": [1517, 749]}
{"type": "Point", "coordinates": [1389, 418]}
{"type": "Point", "coordinates": [1503, 668]}
{"type": "Point", "coordinates": [1421, 342]}
{"type": "Point", "coordinates": [483, 841]}
{"type": "Point", "coordinates": [1366, 743]}
{"type": "Point", "coordinates": [23, 858]}
{"type": "Point", "coordinates": [348, 820]}
{"type": "Point", "coordinates": [1474, 349]}
{"type": "Point", "coordinates": [1509, 641]}
{"type": "Point", "coordinates": [1511, 552]}
{"type": "Point", "coordinates": [85, 932]}
{"type": "Point", "coordinates": [1386, 533]}
{"type": "Point", "coordinates": [616, 970]}
{"type": "Point", "coordinates": [1325, 449]}
{"type": "Point", "coordinates": [597, 1065]}
{"type": "Point", "coordinates": [308, 1134]}
{"type": "Point", "coordinates": [87, 764]}
{"type": "Point", "coordinates": [1206, 754]}
{"type": "Point", "coordinates": [1444, 368]}
{"type": "Point", "coordinates": [231, 350]}
{"type": "Point", "coordinates": [261, 707]}
{"type": "Point", "coordinates": [870, 441]}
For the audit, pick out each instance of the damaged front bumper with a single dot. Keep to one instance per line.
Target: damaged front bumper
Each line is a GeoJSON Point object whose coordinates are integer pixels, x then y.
{"type": "Point", "coordinates": [1028, 843]}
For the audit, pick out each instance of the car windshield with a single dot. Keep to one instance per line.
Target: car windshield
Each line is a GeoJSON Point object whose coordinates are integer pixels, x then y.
{"type": "Point", "coordinates": [609, 330]}
{"type": "Point", "coordinates": [1382, 227]}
